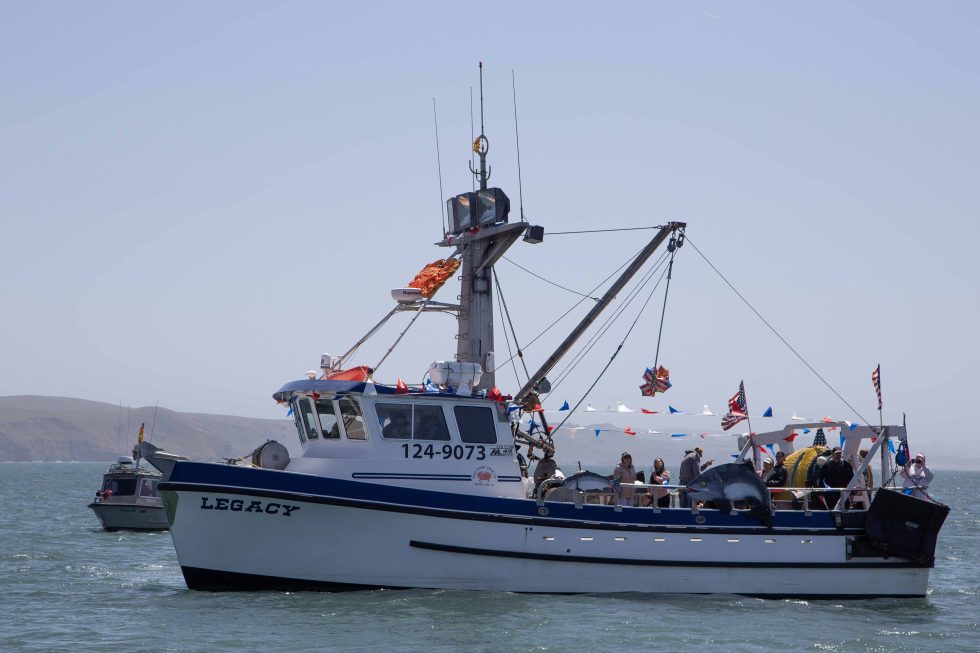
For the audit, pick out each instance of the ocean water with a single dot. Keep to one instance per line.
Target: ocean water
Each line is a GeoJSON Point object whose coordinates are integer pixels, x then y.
{"type": "Point", "coordinates": [66, 585]}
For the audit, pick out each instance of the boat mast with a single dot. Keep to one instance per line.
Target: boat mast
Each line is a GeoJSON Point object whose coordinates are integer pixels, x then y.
{"type": "Point", "coordinates": [481, 233]}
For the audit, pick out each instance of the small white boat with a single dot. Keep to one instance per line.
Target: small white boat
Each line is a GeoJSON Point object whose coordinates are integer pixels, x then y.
{"type": "Point", "coordinates": [129, 499]}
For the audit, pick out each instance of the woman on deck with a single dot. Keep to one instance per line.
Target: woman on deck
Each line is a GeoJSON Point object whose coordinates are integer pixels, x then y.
{"type": "Point", "coordinates": [660, 476]}
{"type": "Point", "coordinates": [625, 475]}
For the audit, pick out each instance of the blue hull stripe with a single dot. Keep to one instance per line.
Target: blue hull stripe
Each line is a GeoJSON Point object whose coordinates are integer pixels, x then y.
{"type": "Point", "coordinates": [228, 479]}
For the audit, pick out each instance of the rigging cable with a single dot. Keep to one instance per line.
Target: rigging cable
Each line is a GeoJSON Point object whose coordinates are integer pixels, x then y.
{"type": "Point", "coordinates": [611, 359]}
{"type": "Point", "coordinates": [576, 304]}
{"type": "Point", "coordinates": [663, 314]}
{"type": "Point", "coordinates": [556, 285]}
{"type": "Point", "coordinates": [608, 324]}
{"type": "Point", "coordinates": [776, 333]}
{"type": "Point", "coordinates": [520, 354]}
{"type": "Point", "coordinates": [500, 308]}
{"type": "Point", "coordinates": [599, 231]}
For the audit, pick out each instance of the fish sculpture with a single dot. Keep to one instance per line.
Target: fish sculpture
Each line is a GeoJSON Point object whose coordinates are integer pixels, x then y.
{"type": "Point", "coordinates": [724, 484]}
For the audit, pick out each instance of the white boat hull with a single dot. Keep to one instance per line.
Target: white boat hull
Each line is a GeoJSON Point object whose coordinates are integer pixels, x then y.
{"type": "Point", "coordinates": [124, 516]}
{"type": "Point", "coordinates": [327, 546]}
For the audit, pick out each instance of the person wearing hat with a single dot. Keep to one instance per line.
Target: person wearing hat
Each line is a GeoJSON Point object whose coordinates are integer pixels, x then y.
{"type": "Point", "coordinates": [917, 477]}
{"type": "Point", "coordinates": [545, 469]}
{"type": "Point", "coordinates": [836, 472]}
{"type": "Point", "coordinates": [691, 468]}
{"type": "Point", "coordinates": [625, 475]}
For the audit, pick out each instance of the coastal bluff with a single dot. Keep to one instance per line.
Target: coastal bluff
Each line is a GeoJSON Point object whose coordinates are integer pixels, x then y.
{"type": "Point", "coordinates": [37, 428]}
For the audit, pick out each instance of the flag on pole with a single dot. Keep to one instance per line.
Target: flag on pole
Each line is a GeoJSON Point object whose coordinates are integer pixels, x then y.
{"type": "Point", "coordinates": [876, 379]}
{"type": "Point", "coordinates": [139, 438]}
{"type": "Point", "coordinates": [737, 409]}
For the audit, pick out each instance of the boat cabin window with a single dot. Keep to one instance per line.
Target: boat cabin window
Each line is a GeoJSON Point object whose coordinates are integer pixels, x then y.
{"type": "Point", "coordinates": [329, 425]}
{"type": "Point", "coordinates": [353, 420]}
{"type": "Point", "coordinates": [412, 421]}
{"type": "Point", "coordinates": [309, 417]}
{"type": "Point", "coordinates": [120, 487]}
{"type": "Point", "coordinates": [476, 424]}
{"type": "Point", "coordinates": [148, 487]}
{"type": "Point", "coordinates": [430, 423]}
{"type": "Point", "coordinates": [299, 423]}
{"type": "Point", "coordinates": [395, 421]}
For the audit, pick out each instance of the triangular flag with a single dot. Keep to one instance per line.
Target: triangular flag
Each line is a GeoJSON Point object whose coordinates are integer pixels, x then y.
{"type": "Point", "coordinates": [707, 411]}
{"type": "Point", "coordinates": [590, 409]}
{"type": "Point", "coordinates": [806, 430]}
{"type": "Point", "coordinates": [289, 413]}
{"type": "Point", "coordinates": [629, 431]}
{"type": "Point", "coordinates": [401, 388]}
{"type": "Point", "coordinates": [679, 435]}
{"type": "Point", "coordinates": [674, 410]}
{"type": "Point", "coordinates": [891, 445]}
{"type": "Point", "coordinates": [648, 412]}
{"type": "Point", "coordinates": [139, 438]}
{"type": "Point", "coordinates": [652, 432]}
{"type": "Point", "coordinates": [798, 418]}
{"type": "Point", "coordinates": [623, 408]}
{"type": "Point", "coordinates": [768, 412]}
{"type": "Point", "coordinates": [791, 437]}
{"type": "Point", "coordinates": [550, 429]}
{"type": "Point", "coordinates": [854, 426]}
{"type": "Point", "coordinates": [495, 394]}
{"type": "Point", "coordinates": [564, 406]}
{"type": "Point", "coordinates": [597, 431]}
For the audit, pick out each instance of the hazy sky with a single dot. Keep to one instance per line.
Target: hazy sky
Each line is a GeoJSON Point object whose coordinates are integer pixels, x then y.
{"type": "Point", "coordinates": [198, 199]}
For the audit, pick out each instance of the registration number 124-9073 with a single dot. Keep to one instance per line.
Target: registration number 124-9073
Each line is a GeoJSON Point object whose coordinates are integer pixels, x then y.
{"type": "Point", "coordinates": [446, 451]}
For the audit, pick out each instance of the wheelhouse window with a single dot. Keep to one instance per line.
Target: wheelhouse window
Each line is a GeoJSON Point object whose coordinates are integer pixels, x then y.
{"type": "Point", "coordinates": [430, 423]}
{"type": "Point", "coordinates": [299, 423]}
{"type": "Point", "coordinates": [148, 487]}
{"type": "Point", "coordinates": [412, 421]}
{"type": "Point", "coordinates": [120, 487]}
{"type": "Point", "coordinates": [395, 421]}
{"type": "Point", "coordinates": [476, 424]}
{"type": "Point", "coordinates": [350, 412]}
{"type": "Point", "coordinates": [329, 424]}
{"type": "Point", "coordinates": [308, 415]}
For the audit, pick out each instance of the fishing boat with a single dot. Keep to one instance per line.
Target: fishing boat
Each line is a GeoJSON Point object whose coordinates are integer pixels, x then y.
{"type": "Point", "coordinates": [426, 486]}
{"type": "Point", "coordinates": [129, 498]}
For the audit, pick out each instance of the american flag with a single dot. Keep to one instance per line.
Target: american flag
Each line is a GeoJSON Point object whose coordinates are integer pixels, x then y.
{"type": "Point", "coordinates": [737, 409]}
{"type": "Point", "coordinates": [876, 379]}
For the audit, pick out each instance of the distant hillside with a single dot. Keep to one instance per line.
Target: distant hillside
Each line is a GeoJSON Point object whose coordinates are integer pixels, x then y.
{"type": "Point", "coordinates": [61, 428]}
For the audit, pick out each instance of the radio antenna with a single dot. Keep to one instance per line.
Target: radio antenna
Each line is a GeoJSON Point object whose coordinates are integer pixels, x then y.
{"type": "Point", "coordinates": [517, 137]}
{"type": "Point", "coordinates": [442, 206]}
{"type": "Point", "coordinates": [472, 137]}
{"type": "Point", "coordinates": [481, 145]}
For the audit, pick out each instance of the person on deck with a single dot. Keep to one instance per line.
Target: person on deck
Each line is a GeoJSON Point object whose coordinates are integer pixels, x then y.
{"type": "Point", "coordinates": [691, 468]}
{"type": "Point", "coordinates": [659, 475]}
{"type": "Point", "coordinates": [836, 472]}
{"type": "Point", "coordinates": [545, 469]}
{"type": "Point", "coordinates": [778, 477]}
{"type": "Point", "coordinates": [625, 475]}
{"type": "Point", "coordinates": [917, 477]}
